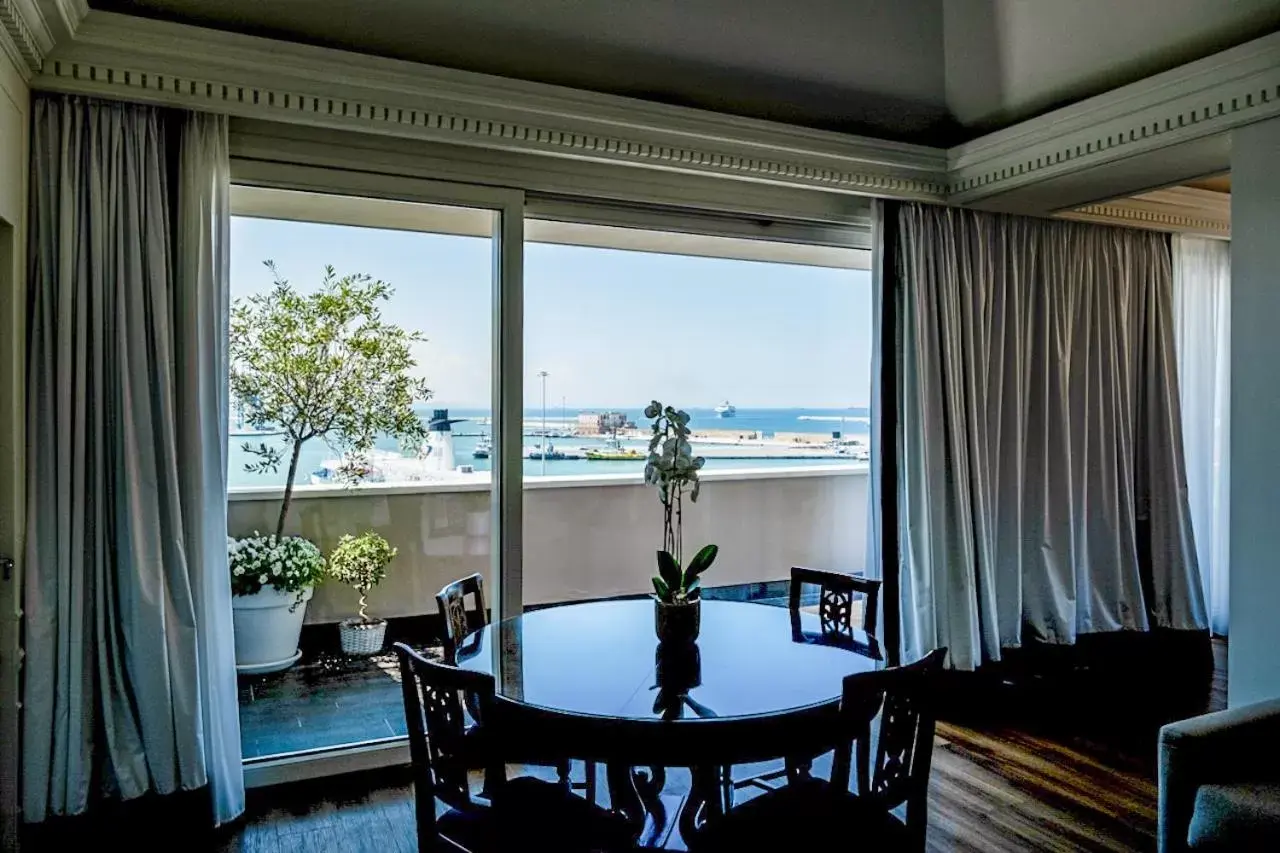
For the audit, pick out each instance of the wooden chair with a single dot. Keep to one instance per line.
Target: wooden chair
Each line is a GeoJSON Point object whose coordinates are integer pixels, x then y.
{"type": "Point", "coordinates": [812, 812]}
{"type": "Point", "coordinates": [462, 622]}
{"type": "Point", "coordinates": [519, 813]}
{"type": "Point", "coordinates": [837, 593]}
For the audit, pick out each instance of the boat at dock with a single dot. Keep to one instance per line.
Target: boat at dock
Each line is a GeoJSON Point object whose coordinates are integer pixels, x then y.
{"type": "Point", "coordinates": [484, 447]}
{"type": "Point", "coordinates": [613, 451]}
{"type": "Point", "coordinates": [548, 454]}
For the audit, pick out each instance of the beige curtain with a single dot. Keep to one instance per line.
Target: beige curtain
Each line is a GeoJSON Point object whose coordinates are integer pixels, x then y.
{"type": "Point", "coordinates": [129, 675]}
{"type": "Point", "coordinates": [1042, 485]}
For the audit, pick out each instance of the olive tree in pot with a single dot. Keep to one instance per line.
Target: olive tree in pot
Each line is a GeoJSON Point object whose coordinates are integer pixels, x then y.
{"type": "Point", "coordinates": [361, 563]}
{"type": "Point", "coordinates": [321, 365]}
{"type": "Point", "coordinates": [673, 469]}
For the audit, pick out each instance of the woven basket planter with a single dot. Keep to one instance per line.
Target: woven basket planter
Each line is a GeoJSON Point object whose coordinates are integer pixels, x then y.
{"type": "Point", "coordinates": [362, 638]}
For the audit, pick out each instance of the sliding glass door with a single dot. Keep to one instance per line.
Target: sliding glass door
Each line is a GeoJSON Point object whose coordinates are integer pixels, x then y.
{"type": "Point", "coordinates": [433, 270]}
{"type": "Point", "coordinates": [520, 458]}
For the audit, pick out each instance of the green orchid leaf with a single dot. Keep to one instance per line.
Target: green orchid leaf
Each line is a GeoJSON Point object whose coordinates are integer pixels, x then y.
{"type": "Point", "coordinates": [669, 570]}
{"type": "Point", "coordinates": [661, 588]}
{"type": "Point", "coordinates": [702, 561]}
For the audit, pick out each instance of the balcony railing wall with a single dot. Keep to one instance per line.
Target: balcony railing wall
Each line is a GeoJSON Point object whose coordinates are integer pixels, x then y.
{"type": "Point", "coordinates": [584, 537]}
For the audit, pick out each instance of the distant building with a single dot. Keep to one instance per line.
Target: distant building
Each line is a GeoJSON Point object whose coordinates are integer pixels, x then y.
{"type": "Point", "coordinates": [602, 423]}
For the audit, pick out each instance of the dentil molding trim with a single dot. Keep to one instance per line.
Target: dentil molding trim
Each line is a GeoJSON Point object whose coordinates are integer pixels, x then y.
{"type": "Point", "coordinates": [29, 29]}
{"type": "Point", "coordinates": [1203, 98]}
{"type": "Point", "coordinates": [158, 62]}
{"type": "Point", "coordinates": [1185, 210]}
{"type": "Point", "coordinates": [138, 59]}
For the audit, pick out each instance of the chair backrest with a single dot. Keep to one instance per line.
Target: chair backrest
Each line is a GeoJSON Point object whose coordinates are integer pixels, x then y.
{"type": "Point", "coordinates": [905, 696]}
{"type": "Point", "coordinates": [459, 620]}
{"type": "Point", "coordinates": [433, 706]}
{"type": "Point", "coordinates": [836, 591]}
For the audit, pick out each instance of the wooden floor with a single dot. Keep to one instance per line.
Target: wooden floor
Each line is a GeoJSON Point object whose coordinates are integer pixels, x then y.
{"type": "Point", "coordinates": [1053, 767]}
{"type": "Point", "coordinates": [1039, 778]}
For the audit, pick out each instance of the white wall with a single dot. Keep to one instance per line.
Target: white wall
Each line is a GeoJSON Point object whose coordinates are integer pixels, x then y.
{"type": "Point", "coordinates": [1253, 662]}
{"type": "Point", "coordinates": [14, 108]}
{"type": "Point", "coordinates": [582, 539]}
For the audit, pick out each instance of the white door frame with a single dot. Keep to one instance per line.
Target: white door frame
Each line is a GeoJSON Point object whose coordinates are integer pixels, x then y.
{"type": "Point", "coordinates": [13, 484]}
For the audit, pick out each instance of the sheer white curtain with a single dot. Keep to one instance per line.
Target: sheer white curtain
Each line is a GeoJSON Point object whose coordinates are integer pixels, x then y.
{"type": "Point", "coordinates": [1202, 327]}
{"type": "Point", "coordinates": [1041, 487]}
{"type": "Point", "coordinates": [129, 675]}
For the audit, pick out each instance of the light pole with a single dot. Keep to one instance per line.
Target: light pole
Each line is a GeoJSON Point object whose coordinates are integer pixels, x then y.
{"type": "Point", "coordinates": [542, 374]}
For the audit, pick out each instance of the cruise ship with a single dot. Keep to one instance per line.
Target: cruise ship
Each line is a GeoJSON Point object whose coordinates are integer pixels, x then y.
{"type": "Point", "coordinates": [726, 410]}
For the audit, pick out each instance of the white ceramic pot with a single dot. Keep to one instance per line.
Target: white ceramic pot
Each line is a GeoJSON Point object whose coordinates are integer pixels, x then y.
{"type": "Point", "coordinates": [266, 630]}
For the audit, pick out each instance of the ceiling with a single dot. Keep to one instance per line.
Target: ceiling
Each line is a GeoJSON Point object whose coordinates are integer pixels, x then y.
{"type": "Point", "coordinates": [929, 71]}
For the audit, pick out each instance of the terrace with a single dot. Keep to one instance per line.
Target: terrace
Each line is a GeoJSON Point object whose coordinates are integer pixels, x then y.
{"type": "Point", "coordinates": [585, 537]}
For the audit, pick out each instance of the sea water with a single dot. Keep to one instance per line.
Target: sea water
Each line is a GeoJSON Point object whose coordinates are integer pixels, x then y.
{"type": "Point", "coordinates": [850, 423]}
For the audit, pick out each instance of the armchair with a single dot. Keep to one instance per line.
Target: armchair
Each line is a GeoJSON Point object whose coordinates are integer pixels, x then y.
{"type": "Point", "coordinates": [1220, 781]}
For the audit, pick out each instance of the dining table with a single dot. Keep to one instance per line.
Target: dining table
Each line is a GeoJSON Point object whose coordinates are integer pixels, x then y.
{"type": "Point", "coordinates": [591, 681]}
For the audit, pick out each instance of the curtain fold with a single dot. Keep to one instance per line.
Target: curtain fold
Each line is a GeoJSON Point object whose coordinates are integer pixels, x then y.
{"type": "Point", "coordinates": [1042, 489]}
{"type": "Point", "coordinates": [203, 282]}
{"type": "Point", "coordinates": [123, 694]}
{"type": "Point", "coordinates": [1202, 327]}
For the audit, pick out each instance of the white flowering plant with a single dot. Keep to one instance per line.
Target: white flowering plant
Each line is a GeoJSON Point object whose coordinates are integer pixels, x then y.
{"type": "Point", "coordinates": [289, 564]}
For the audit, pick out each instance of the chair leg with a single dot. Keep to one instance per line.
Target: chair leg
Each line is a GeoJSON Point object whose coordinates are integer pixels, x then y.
{"type": "Point", "coordinates": [589, 767]}
{"type": "Point", "coordinates": [726, 787]}
{"type": "Point", "coordinates": [562, 771]}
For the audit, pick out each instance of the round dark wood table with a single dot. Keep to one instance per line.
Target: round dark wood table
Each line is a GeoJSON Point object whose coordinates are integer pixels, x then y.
{"type": "Point", "coordinates": [590, 681]}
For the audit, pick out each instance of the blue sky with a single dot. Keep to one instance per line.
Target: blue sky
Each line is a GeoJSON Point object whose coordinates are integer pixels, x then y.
{"type": "Point", "coordinates": [613, 328]}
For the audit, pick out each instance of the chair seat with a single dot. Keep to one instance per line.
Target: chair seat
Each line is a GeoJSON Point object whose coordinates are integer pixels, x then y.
{"type": "Point", "coordinates": [1236, 817]}
{"type": "Point", "coordinates": [803, 814]}
{"type": "Point", "coordinates": [528, 813]}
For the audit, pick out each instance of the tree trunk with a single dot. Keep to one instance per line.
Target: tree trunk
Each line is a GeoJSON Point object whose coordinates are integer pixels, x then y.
{"type": "Point", "coordinates": [288, 490]}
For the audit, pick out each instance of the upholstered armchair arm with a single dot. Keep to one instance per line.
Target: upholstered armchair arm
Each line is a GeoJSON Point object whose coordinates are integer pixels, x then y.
{"type": "Point", "coordinates": [1238, 745]}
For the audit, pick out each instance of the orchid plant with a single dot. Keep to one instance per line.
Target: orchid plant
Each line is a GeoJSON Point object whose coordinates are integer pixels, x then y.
{"type": "Point", "coordinates": [673, 469]}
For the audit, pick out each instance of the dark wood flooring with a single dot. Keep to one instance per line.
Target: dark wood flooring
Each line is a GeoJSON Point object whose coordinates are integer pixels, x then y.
{"type": "Point", "coordinates": [1030, 771]}
{"type": "Point", "coordinates": [1062, 763]}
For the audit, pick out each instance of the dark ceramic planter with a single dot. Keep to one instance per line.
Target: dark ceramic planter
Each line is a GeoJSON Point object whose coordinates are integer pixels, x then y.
{"type": "Point", "coordinates": [677, 624]}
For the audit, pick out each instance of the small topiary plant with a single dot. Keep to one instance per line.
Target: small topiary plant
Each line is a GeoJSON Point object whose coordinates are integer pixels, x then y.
{"type": "Point", "coordinates": [361, 562]}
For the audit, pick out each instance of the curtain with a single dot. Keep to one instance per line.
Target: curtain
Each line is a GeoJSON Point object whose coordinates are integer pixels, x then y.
{"type": "Point", "coordinates": [1202, 329]}
{"type": "Point", "coordinates": [1041, 489]}
{"type": "Point", "coordinates": [882, 519]}
{"type": "Point", "coordinates": [129, 677]}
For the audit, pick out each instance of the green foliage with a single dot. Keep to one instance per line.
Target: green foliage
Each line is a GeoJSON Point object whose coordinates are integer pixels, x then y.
{"type": "Point", "coordinates": [361, 562]}
{"type": "Point", "coordinates": [673, 469]}
{"type": "Point", "coordinates": [289, 564]}
{"type": "Point", "coordinates": [324, 365]}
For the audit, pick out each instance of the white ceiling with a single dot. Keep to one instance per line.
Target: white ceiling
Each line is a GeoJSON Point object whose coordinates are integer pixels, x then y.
{"type": "Point", "coordinates": [933, 71]}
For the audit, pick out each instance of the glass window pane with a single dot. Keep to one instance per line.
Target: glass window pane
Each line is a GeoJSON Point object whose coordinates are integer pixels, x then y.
{"type": "Point", "coordinates": [766, 346]}
{"type": "Point", "coordinates": [425, 491]}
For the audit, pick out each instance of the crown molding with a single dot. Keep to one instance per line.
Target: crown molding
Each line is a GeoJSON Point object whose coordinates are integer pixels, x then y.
{"type": "Point", "coordinates": [29, 29]}
{"type": "Point", "coordinates": [1179, 111]}
{"type": "Point", "coordinates": [1184, 210]}
{"type": "Point", "coordinates": [158, 62]}
{"type": "Point", "coordinates": [1197, 100]}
